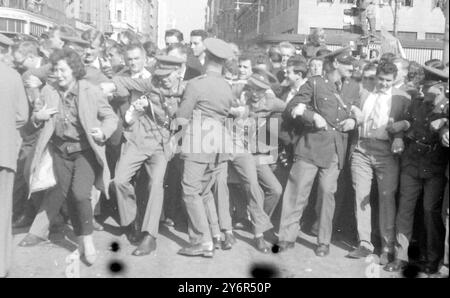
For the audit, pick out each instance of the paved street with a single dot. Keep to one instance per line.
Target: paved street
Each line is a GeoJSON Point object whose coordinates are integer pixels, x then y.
{"type": "Point", "coordinates": [49, 259]}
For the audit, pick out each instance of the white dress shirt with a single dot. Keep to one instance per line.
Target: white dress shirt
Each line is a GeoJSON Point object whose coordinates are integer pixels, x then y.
{"type": "Point", "coordinates": [376, 112]}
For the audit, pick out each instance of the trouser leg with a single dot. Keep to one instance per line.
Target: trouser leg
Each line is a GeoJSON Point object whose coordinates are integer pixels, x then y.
{"type": "Point", "coordinates": [327, 188]}
{"type": "Point", "coordinates": [6, 202]}
{"type": "Point", "coordinates": [79, 199]}
{"type": "Point", "coordinates": [387, 173]}
{"type": "Point", "coordinates": [410, 190]}
{"type": "Point", "coordinates": [199, 231]}
{"type": "Point", "coordinates": [222, 198]}
{"type": "Point", "coordinates": [295, 198]}
{"type": "Point", "coordinates": [362, 182]}
{"type": "Point", "coordinates": [432, 205]}
{"type": "Point", "coordinates": [271, 187]}
{"type": "Point", "coordinates": [129, 164]}
{"type": "Point", "coordinates": [156, 167]}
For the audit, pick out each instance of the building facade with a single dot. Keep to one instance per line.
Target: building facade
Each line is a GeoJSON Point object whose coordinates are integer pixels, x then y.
{"type": "Point", "coordinates": [31, 17]}
{"type": "Point", "coordinates": [138, 15]}
{"type": "Point", "coordinates": [301, 16]}
{"type": "Point", "coordinates": [87, 14]}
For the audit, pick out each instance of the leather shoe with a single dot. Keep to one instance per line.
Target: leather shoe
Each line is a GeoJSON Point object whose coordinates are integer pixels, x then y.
{"type": "Point", "coordinates": [284, 246]}
{"type": "Point", "coordinates": [261, 245]}
{"type": "Point", "coordinates": [396, 266]}
{"type": "Point", "coordinates": [168, 222]}
{"type": "Point", "coordinates": [23, 221]}
{"type": "Point", "coordinates": [217, 241]}
{"type": "Point", "coordinates": [146, 247]}
{"type": "Point", "coordinates": [430, 269]}
{"type": "Point", "coordinates": [229, 241]}
{"type": "Point", "coordinates": [360, 253]}
{"type": "Point", "coordinates": [198, 250]}
{"type": "Point", "coordinates": [322, 250]}
{"type": "Point", "coordinates": [133, 235]}
{"type": "Point", "coordinates": [31, 240]}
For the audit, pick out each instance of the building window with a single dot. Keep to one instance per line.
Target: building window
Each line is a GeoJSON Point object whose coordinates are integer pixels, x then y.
{"type": "Point", "coordinates": [119, 16]}
{"type": "Point", "coordinates": [434, 36]}
{"type": "Point", "coordinates": [348, 1]}
{"type": "Point", "coordinates": [409, 3]}
{"type": "Point", "coordinates": [326, 1]}
{"type": "Point", "coordinates": [12, 25]}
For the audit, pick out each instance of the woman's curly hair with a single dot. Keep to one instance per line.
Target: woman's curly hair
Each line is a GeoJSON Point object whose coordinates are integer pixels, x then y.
{"type": "Point", "coordinates": [73, 60]}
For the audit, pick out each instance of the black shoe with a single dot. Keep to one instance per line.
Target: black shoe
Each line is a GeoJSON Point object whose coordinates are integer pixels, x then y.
{"type": "Point", "coordinates": [198, 250]}
{"type": "Point", "coordinates": [31, 240]}
{"type": "Point", "coordinates": [431, 268]}
{"type": "Point", "coordinates": [217, 241]}
{"type": "Point", "coordinates": [322, 250]}
{"type": "Point", "coordinates": [229, 241]}
{"type": "Point", "coordinates": [360, 253]}
{"type": "Point", "coordinates": [284, 246]}
{"type": "Point", "coordinates": [168, 222]}
{"type": "Point", "coordinates": [396, 266]}
{"type": "Point", "coordinates": [133, 235]}
{"type": "Point", "coordinates": [23, 221]}
{"type": "Point", "coordinates": [261, 245]}
{"type": "Point", "coordinates": [146, 247]}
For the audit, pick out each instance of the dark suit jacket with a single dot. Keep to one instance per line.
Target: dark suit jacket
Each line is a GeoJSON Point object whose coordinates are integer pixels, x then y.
{"type": "Point", "coordinates": [321, 96]}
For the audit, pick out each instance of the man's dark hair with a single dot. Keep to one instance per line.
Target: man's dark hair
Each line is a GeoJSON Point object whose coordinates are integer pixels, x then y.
{"type": "Point", "coordinates": [175, 32]}
{"type": "Point", "coordinates": [246, 57]}
{"type": "Point", "coordinates": [92, 36]}
{"type": "Point", "coordinates": [387, 57]}
{"type": "Point", "coordinates": [370, 66]}
{"type": "Point", "coordinates": [299, 66]}
{"type": "Point", "coordinates": [150, 48]}
{"type": "Point", "coordinates": [134, 46]}
{"type": "Point", "coordinates": [274, 55]}
{"type": "Point", "coordinates": [72, 59]}
{"type": "Point", "coordinates": [387, 68]}
{"type": "Point", "coordinates": [202, 33]}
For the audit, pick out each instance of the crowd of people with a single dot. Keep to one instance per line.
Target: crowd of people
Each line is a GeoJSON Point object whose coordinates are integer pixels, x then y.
{"type": "Point", "coordinates": [147, 132]}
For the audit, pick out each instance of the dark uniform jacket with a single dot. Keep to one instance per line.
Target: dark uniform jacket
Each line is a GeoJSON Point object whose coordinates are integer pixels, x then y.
{"type": "Point", "coordinates": [321, 96]}
{"type": "Point", "coordinates": [424, 155]}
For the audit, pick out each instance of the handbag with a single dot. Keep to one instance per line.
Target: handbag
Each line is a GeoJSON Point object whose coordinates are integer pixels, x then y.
{"type": "Point", "coordinates": [44, 178]}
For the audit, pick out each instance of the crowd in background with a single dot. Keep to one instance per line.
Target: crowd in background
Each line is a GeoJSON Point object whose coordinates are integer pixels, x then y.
{"type": "Point", "coordinates": [351, 129]}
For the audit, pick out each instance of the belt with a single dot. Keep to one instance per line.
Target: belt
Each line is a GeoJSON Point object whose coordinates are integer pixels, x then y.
{"type": "Point", "coordinates": [425, 148]}
{"type": "Point", "coordinates": [70, 147]}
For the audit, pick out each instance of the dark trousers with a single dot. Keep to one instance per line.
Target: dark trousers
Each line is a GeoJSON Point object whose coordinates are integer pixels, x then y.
{"type": "Point", "coordinates": [411, 187]}
{"type": "Point", "coordinates": [76, 177]}
{"type": "Point", "coordinates": [296, 195]}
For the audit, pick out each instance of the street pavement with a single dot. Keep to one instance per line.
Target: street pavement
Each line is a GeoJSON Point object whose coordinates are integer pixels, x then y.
{"type": "Point", "coordinates": [52, 259]}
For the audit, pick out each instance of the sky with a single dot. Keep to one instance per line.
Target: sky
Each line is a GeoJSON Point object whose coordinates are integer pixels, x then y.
{"type": "Point", "coordinates": [187, 14]}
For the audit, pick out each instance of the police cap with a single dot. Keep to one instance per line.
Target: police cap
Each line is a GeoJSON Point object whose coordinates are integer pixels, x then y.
{"type": "Point", "coordinates": [218, 48]}
{"type": "Point", "coordinates": [167, 64]}
{"type": "Point", "coordinates": [434, 76]}
{"type": "Point", "coordinates": [5, 41]}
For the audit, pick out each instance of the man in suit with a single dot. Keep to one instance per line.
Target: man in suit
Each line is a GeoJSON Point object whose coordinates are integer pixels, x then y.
{"type": "Point", "coordinates": [376, 153]}
{"type": "Point", "coordinates": [14, 115]}
{"type": "Point", "coordinates": [147, 137]}
{"type": "Point", "coordinates": [324, 109]}
{"type": "Point", "coordinates": [296, 75]}
{"type": "Point", "coordinates": [206, 103]}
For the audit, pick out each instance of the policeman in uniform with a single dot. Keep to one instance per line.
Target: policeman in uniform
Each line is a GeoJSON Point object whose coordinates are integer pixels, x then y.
{"type": "Point", "coordinates": [323, 108]}
{"type": "Point", "coordinates": [206, 104]}
{"type": "Point", "coordinates": [424, 164]}
{"type": "Point", "coordinates": [147, 143]}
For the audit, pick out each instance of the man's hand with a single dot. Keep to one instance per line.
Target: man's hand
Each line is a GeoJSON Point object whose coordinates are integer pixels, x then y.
{"type": "Point", "coordinates": [45, 114]}
{"type": "Point", "coordinates": [358, 114]}
{"type": "Point", "coordinates": [398, 127]}
{"type": "Point", "coordinates": [444, 139]}
{"type": "Point", "coordinates": [348, 125]}
{"type": "Point", "coordinates": [141, 104]}
{"type": "Point", "coordinates": [108, 88]}
{"type": "Point", "coordinates": [298, 110]}
{"type": "Point", "coordinates": [320, 122]}
{"type": "Point", "coordinates": [398, 146]}
{"type": "Point", "coordinates": [98, 135]}
{"type": "Point", "coordinates": [436, 125]}
{"type": "Point", "coordinates": [32, 82]}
